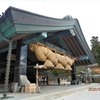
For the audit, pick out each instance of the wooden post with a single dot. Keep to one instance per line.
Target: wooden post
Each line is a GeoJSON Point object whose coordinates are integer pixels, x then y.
{"type": "Point", "coordinates": [37, 76]}
{"type": "Point", "coordinates": [37, 85]}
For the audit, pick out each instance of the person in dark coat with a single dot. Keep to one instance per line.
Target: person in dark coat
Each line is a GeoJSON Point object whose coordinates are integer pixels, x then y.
{"type": "Point", "coordinates": [58, 80]}
{"type": "Point", "coordinates": [92, 79]}
{"type": "Point", "coordinates": [47, 80]}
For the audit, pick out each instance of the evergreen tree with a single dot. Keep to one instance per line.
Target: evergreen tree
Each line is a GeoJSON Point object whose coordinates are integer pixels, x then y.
{"type": "Point", "coordinates": [95, 44]}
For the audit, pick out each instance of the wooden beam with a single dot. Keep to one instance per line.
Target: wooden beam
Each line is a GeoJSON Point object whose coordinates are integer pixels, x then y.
{"type": "Point", "coordinates": [57, 35]}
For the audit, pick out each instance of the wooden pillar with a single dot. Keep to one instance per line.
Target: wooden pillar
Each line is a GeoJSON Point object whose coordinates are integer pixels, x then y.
{"type": "Point", "coordinates": [21, 61]}
{"type": "Point", "coordinates": [37, 76]}
{"type": "Point", "coordinates": [73, 75]}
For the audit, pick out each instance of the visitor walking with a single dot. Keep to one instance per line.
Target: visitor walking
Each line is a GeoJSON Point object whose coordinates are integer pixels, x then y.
{"type": "Point", "coordinates": [47, 80]}
{"type": "Point", "coordinates": [58, 81]}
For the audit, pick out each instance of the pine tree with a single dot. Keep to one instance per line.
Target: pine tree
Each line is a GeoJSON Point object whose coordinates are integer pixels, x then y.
{"type": "Point", "coordinates": [95, 44]}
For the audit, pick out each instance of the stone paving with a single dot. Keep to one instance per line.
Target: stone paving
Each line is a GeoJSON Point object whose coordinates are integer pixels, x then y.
{"type": "Point", "coordinates": [92, 94]}
{"type": "Point", "coordinates": [55, 92]}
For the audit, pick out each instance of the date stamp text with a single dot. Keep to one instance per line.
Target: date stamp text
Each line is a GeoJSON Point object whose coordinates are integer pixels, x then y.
{"type": "Point", "coordinates": [94, 89]}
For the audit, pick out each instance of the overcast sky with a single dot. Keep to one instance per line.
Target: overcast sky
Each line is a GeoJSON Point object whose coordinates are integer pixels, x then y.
{"type": "Point", "coordinates": [86, 11]}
